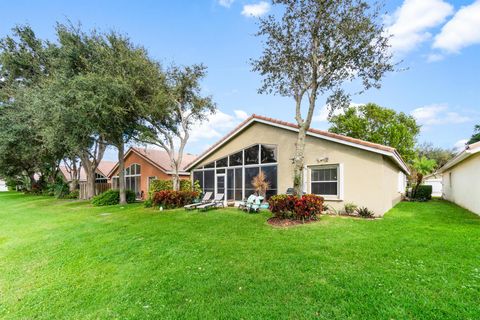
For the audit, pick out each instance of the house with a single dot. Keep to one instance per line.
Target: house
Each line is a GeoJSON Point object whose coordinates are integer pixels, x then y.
{"type": "Point", "coordinates": [143, 165]}
{"type": "Point", "coordinates": [434, 180]}
{"type": "Point", "coordinates": [461, 178]}
{"type": "Point", "coordinates": [339, 168]}
{"type": "Point", "coordinates": [3, 185]}
{"type": "Point", "coordinates": [101, 174]}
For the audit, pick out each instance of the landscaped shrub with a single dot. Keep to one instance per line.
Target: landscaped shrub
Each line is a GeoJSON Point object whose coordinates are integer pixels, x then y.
{"type": "Point", "coordinates": [282, 205]}
{"type": "Point", "coordinates": [423, 193]}
{"type": "Point", "coordinates": [308, 206]}
{"type": "Point", "coordinates": [350, 207]}
{"type": "Point", "coordinates": [290, 207]}
{"type": "Point", "coordinates": [161, 185]}
{"type": "Point", "coordinates": [364, 212]}
{"type": "Point", "coordinates": [112, 197]}
{"type": "Point", "coordinates": [73, 195]}
{"type": "Point", "coordinates": [170, 199]}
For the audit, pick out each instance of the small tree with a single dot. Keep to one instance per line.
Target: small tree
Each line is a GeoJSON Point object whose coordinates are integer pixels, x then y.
{"type": "Point", "coordinates": [422, 167]}
{"type": "Point", "coordinates": [179, 105]}
{"type": "Point", "coordinates": [313, 49]}
{"type": "Point", "coordinates": [260, 183]}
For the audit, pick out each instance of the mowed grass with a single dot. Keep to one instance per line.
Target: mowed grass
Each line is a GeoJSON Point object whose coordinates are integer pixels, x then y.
{"type": "Point", "coordinates": [67, 259]}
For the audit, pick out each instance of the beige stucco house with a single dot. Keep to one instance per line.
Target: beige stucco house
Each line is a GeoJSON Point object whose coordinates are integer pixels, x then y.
{"type": "Point", "coordinates": [461, 178]}
{"type": "Point", "coordinates": [339, 168]}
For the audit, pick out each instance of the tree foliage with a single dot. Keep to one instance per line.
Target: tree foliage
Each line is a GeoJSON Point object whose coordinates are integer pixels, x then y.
{"type": "Point", "coordinates": [381, 125]}
{"type": "Point", "coordinates": [440, 155]}
{"type": "Point", "coordinates": [313, 49]}
{"type": "Point", "coordinates": [476, 135]}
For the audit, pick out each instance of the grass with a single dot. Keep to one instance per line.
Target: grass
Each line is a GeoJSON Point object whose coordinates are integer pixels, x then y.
{"type": "Point", "coordinates": [67, 259]}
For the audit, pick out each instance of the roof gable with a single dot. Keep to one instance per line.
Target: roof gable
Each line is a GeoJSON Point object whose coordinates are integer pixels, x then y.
{"type": "Point", "coordinates": [466, 153]}
{"type": "Point", "coordinates": [321, 134]}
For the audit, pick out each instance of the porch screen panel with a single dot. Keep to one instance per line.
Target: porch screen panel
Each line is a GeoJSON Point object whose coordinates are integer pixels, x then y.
{"type": "Point", "coordinates": [238, 184]}
{"type": "Point", "coordinates": [230, 184]}
{"type": "Point", "coordinates": [209, 181]}
{"type": "Point", "coordinates": [198, 176]}
{"type": "Point", "coordinates": [250, 173]}
{"type": "Point", "coordinates": [271, 176]}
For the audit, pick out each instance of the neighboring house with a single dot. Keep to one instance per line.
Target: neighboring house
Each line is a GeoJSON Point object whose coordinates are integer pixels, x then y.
{"type": "Point", "coordinates": [434, 180]}
{"type": "Point", "coordinates": [339, 168]}
{"type": "Point", "coordinates": [143, 165]}
{"type": "Point", "coordinates": [101, 174]}
{"type": "Point", "coordinates": [3, 185]}
{"type": "Point", "coordinates": [461, 178]}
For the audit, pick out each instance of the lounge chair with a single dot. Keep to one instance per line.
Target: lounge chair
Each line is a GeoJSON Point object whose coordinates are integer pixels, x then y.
{"type": "Point", "coordinates": [255, 204]}
{"type": "Point", "coordinates": [205, 199]}
{"type": "Point", "coordinates": [217, 202]}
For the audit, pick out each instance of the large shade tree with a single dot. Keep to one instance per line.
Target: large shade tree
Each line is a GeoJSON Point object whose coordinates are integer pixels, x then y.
{"type": "Point", "coordinates": [313, 49]}
{"type": "Point", "coordinates": [475, 136]}
{"type": "Point", "coordinates": [381, 125]}
{"type": "Point", "coordinates": [179, 104]}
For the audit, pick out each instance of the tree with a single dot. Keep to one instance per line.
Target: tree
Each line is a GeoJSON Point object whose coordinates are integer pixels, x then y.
{"type": "Point", "coordinates": [179, 105]}
{"type": "Point", "coordinates": [422, 167]}
{"type": "Point", "coordinates": [376, 124]}
{"type": "Point", "coordinates": [313, 50]}
{"type": "Point", "coordinates": [440, 155]}
{"type": "Point", "coordinates": [476, 135]}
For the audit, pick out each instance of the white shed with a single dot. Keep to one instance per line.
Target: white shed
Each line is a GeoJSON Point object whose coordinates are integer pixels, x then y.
{"type": "Point", "coordinates": [434, 180]}
{"type": "Point", "coordinates": [3, 185]}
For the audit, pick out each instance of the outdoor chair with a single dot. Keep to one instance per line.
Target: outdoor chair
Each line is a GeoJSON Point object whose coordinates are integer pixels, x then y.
{"type": "Point", "coordinates": [255, 204]}
{"type": "Point", "coordinates": [206, 198]}
{"type": "Point", "coordinates": [217, 202]}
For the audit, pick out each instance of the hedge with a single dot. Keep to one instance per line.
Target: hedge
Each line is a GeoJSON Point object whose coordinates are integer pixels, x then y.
{"type": "Point", "coordinates": [161, 185]}
{"type": "Point", "coordinates": [423, 192]}
{"type": "Point", "coordinates": [112, 197]}
{"type": "Point", "coordinates": [169, 199]}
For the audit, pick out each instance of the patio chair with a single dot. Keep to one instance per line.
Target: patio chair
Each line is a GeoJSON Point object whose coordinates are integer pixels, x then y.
{"type": "Point", "coordinates": [215, 203]}
{"type": "Point", "coordinates": [205, 199]}
{"type": "Point", "coordinates": [255, 204]}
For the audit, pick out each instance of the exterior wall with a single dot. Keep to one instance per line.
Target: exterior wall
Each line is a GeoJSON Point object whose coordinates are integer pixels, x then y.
{"type": "Point", "coordinates": [3, 186]}
{"type": "Point", "coordinates": [368, 179]}
{"type": "Point", "coordinates": [461, 184]}
{"type": "Point", "coordinates": [147, 170]}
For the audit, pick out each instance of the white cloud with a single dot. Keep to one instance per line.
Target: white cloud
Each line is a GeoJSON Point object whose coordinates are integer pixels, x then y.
{"type": "Point", "coordinates": [226, 3]}
{"type": "Point", "coordinates": [460, 145]}
{"type": "Point", "coordinates": [240, 114]}
{"type": "Point", "coordinates": [461, 31]}
{"type": "Point", "coordinates": [256, 10]}
{"type": "Point", "coordinates": [410, 23]}
{"type": "Point", "coordinates": [437, 114]}
{"type": "Point", "coordinates": [434, 57]}
{"type": "Point", "coordinates": [216, 126]}
{"type": "Point", "coordinates": [322, 115]}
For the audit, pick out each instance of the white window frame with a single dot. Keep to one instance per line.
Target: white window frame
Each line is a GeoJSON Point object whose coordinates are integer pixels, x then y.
{"type": "Point", "coordinates": [340, 180]}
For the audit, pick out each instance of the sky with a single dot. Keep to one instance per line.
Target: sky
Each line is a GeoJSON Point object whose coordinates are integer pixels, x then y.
{"type": "Point", "coordinates": [437, 43]}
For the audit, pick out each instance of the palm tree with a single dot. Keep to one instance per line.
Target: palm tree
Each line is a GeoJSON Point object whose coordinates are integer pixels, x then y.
{"type": "Point", "coordinates": [422, 167]}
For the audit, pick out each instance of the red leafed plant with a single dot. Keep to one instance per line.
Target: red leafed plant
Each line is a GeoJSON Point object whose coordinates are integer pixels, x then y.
{"type": "Point", "coordinates": [173, 199]}
{"type": "Point", "coordinates": [290, 207]}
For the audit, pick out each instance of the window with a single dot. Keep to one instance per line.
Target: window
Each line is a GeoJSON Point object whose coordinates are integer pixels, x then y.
{"type": "Point", "coordinates": [450, 179]}
{"type": "Point", "coordinates": [198, 176]}
{"type": "Point", "coordinates": [268, 154]}
{"type": "Point", "coordinates": [132, 179]}
{"type": "Point", "coordinates": [251, 155]}
{"type": "Point", "coordinates": [238, 184]}
{"type": "Point", "coordinates": [209, 181]}
{"type": "Point", "coordinates": [100, 178]}
{"type": "Point", "coordinates": [236, 159]}
{"type": "Point", "coordinates": [230, 184]}
{"type": "Point", "coordinates": [250, 173]}
{"type": "Point", "coordinates": [271, 176]}
{"type": "Point", "coordinates": [210, 165]}
{"type": "Point", "coordinates": [325, 180]}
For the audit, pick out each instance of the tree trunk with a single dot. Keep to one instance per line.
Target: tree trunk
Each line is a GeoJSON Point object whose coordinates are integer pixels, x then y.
{"type": "Point", "coordinates": [32, 180]}
{"type": "Point", "coordinates": [90, 183]}
{"type": "Point", "coordinates": [176, 179]}
{"type": "Point", "coordinates": [298, 161]}
{"type": "Point", "coordinates": [121, 173]}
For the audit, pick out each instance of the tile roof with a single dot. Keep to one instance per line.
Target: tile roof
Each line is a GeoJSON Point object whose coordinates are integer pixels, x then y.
{"type": "Point", "coordinates": [162, 159]}
{"type": "Point", "coordinates": [294, 126]}
{"type": "Point", "coordinates": [104, 168]}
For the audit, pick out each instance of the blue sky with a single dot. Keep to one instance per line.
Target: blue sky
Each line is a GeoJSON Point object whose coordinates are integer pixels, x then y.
{"type": "Point", "coordinates": [438, 41]}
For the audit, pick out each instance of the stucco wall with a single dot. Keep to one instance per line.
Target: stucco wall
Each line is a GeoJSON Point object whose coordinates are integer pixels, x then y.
{"type": "Point", "coordinates": [369, 179]}
{"type": "Point", "coordinates": [464, 187]}
{"type": "Point", "coordinates": [147, 170]}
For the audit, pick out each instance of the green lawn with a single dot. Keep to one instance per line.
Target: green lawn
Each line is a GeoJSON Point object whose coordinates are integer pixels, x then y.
{"type": "Point", "coordinates": [66, 259]}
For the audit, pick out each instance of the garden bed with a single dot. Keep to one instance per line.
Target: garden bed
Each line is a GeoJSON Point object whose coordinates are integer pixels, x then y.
{"type": "Point", "coordinates": [278, 222]}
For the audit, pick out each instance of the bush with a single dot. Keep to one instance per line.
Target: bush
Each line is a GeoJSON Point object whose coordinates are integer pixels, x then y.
{"type": "Point", "coordinates": [73, 195]}
{"type": "Point", "coordinates": [282, 206]}
{"type": "Point", "coordinates": [170, 199]}
{"type": "Point", "coordinates": [308, 206]}
{"type": "Point", "coordinates": [112, 197]}
{"type": "Point", "coordinates": [290, 207]}
{"type": "Point", "coordinates": [161, 185]}
{"type": "Point", "coordinates": [350, 207]}
{"type": "Point", "coordinates": [423, 193]}
{"type": "Point", "coordinates": [364, 212]}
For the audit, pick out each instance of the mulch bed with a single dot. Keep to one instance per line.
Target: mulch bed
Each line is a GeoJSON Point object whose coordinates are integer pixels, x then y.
{"type": "Point", "coordinates": [277, 222]}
